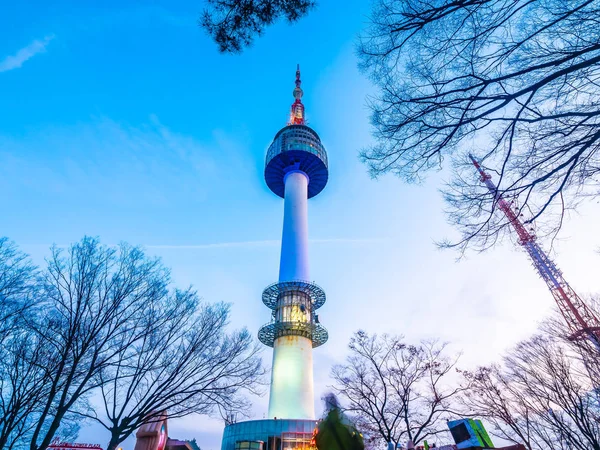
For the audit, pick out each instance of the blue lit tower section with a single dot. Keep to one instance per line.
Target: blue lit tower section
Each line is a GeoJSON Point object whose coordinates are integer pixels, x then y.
{"type": "Point", "coordinates": [296, 170]}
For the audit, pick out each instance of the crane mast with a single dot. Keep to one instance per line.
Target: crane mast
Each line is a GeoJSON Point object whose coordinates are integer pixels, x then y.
{"type": "Point", "coordinates": [581, 320]}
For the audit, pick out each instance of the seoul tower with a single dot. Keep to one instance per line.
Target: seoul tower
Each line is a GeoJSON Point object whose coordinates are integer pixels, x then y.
{"type": "Point", "coordinates": [296, 170]}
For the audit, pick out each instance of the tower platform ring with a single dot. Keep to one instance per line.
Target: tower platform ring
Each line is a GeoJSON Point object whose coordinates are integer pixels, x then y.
{"type": "Point", "coordinates": [316, 332]}
{"type": "Point", "coordinates": [273, 292]}
{"type": "Point", "coordinates": [296, 147]}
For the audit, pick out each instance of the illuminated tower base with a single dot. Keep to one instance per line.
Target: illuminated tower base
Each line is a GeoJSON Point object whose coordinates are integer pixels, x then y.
{"type": "Point", "coordinates": [296, 170]}
{"type": "Point", "coordinates": [292, 392]}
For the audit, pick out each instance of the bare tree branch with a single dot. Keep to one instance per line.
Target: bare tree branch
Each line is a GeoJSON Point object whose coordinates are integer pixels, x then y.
{"type": "Point", "coordinates": [514, 81]}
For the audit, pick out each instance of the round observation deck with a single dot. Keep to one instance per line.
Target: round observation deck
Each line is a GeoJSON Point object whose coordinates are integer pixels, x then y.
{"type": "Point", "coordinates": [296, 147]}
{"type": "Point", "coordinates": [273, 293]}
{"type": "Point", "coordinates": [294, 304]}
{"type": "Point", "coordinates": [314, 331]}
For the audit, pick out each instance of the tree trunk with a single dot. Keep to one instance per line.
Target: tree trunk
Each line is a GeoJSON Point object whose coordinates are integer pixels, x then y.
{"type": "Point", "coordinates": [3, 440]}
{"type": "Point", "coordinates": [114, 442]}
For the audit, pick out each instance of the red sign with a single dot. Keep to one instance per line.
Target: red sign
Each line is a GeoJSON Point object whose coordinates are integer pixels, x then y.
{"type": "Point", "coordinates": [56, 444]}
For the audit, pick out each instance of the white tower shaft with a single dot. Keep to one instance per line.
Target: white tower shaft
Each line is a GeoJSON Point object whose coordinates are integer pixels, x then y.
{"type": "Point", "coordinates": [292, 390]}
{"type": "Point", "coordinates": [293, 265]}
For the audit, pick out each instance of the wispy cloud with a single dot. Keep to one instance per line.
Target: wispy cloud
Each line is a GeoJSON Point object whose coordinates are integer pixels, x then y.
{"type": "Point", "coordinates": [15, 61]}
{"type": "Point", "coordinates": [238, 244]}
{"type": "Point", "coordinates": [118, 165]}
{"type": "Point", "coordinates": [215, 245]}
{"type": "Point", "coordinates": [265, 243]}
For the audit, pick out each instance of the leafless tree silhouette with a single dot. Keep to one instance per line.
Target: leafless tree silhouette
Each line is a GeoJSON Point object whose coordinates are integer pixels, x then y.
{"type": "Point", "coordinates": [103, 320]}
{"type": "Point", "coordinates": [92, 296]}
{"type": "Point", "coordinates": [25, 357]}
{"type": "Point", "coordinates": [513, 81]}
{"type": "Point", "coordinates": [542, 395]}
{"type": "Point", "coordinates": [396, 391]}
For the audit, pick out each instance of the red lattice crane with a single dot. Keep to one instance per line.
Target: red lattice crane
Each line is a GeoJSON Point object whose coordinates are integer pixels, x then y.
{"type": "Point", "coordinates": [581, 320]}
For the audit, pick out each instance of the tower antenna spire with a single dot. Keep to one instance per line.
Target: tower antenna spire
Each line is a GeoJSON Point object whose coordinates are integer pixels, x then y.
{"type": "Point", "coordinates": [581, 320]}
{"type": "Point", "coordinates": [297, 113]}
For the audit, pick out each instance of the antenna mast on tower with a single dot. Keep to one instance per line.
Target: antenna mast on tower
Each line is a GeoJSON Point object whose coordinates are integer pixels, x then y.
{"type": "Point", "coordinates": [581, 320]}
{"type": "Point", "coordinates": [297, 113]}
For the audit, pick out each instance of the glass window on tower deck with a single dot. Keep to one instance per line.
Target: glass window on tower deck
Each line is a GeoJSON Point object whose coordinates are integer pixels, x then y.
{"type": "Point", "coordinates": [297, 137]}
{"type": "Point", "coordinates": [298, 146]}
{"type": "Point", "coordinates": [293, 307]}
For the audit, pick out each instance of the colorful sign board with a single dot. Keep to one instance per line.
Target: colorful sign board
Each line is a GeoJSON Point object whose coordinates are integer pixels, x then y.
{"type": "Point", "coordinates": [57, 444]}
{"type": "Point", "coordinates": [469, 433]}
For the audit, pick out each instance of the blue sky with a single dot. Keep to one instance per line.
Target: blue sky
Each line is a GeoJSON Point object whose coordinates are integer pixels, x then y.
{"type": "Point", "coordinates": [119, 119]}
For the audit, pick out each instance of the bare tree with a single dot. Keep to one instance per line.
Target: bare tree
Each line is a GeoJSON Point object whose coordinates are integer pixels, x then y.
{"type": "Point", "coordinates": [560, 390]}
{"type": "Point", "coordinates": [233, 23]}
{"type": "Point", "coordinates": [19, 377]}
{"type": "Point", "coordinates": [106, 322]}
{"type": "Point", "coordinates": [492, 397]}
{"type": "Point", "coordinates": [25, 357]}
{"type": "Point", "coordinates": [91, 297]}
{"type": "Point", "coordinates": [396, 391]}
{"type": "Point", "coordinates": [515, 81]}
{"type": "Point", "coordinates": [184, 363]}
{"type": "Point", "coordinates": [542, 395]}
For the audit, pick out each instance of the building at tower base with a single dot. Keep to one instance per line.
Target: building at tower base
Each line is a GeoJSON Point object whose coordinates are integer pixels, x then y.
{"type": "Point", "coordinates": [269, 434]}
{"type": "Point", "coordinates": [296, 170]}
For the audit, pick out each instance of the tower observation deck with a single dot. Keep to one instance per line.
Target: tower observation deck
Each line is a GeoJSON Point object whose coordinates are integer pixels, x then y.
{"type": "Point", "coordinates": [296, 170]}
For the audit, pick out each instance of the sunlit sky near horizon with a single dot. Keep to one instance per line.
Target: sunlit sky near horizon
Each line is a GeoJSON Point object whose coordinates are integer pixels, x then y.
{"type": "Point", "coordinates": [120, 119]}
